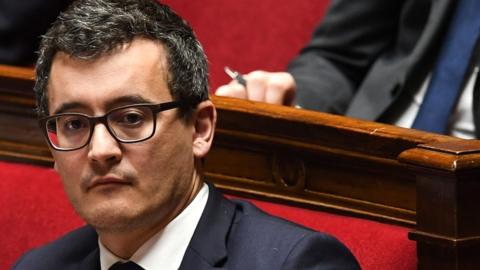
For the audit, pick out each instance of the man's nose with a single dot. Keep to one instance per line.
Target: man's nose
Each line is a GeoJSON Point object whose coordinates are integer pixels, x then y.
{"type": "Point", "coordinates": [103, 147]}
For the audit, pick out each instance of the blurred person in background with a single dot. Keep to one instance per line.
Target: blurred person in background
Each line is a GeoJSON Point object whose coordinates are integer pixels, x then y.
{"type": "Point", "coordinates": [384, 61]}
{"type": "Point", "coordinates": [22, 22]}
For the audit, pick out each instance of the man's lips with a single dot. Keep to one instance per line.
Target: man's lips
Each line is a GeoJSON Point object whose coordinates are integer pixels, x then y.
{"type": "Point", "coordinates": [105, 181]}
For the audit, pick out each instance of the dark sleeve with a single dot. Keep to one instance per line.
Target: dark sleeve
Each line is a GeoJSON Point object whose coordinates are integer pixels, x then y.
{"type": "Point", "coordinates": [19, 262]}
{"type": "Point", "coordinates": [342, 49]}
{"type": "Point", "coordinates": [320, 251]}
{"type": "Point", "coordinates": [22, 22]}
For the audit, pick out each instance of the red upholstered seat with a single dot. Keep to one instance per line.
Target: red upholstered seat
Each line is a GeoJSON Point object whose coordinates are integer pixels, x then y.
{"type": "Point", "coordinates": [35, 210]}
{"type": "Point", "coordinates": [376, 246]}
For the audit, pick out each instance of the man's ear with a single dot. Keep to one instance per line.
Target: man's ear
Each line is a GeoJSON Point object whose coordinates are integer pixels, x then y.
{"type": "Point", "coordinates": [204, 117]}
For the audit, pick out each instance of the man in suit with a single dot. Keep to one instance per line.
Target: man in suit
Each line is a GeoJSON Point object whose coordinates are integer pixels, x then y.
{"type": "Point", "coordinates": [122, 93]}
{"type": "Point", "coordinates": [367, 59]}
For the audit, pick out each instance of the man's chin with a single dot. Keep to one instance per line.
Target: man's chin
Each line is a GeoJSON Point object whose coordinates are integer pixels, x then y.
{"type": "Point", "coordinates": [109, 222]}
{"type": "Point", "coordinates": [113, 217]}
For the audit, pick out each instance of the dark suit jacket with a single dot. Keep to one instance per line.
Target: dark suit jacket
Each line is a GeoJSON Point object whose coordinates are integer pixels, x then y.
{"type": "Point", "coordinates": [367, 57]}
{"type": "Point", "coordinates": [229, 235]}
{"type": "Point", "coordinates": [22, 22]}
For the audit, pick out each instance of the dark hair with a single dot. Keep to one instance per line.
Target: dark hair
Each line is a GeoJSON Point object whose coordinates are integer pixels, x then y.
{"type": "Point", "coordinates": [89, 29]}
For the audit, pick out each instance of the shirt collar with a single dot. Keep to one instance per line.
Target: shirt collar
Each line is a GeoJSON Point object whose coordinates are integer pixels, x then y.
{"type": "Point", "coordinates": [166, 248]}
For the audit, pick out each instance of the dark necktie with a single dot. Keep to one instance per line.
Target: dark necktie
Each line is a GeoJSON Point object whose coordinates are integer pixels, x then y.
{"type": "Point", "coordinates": [452, 65]}
{"type": "Point", "coordinates": [125, 266]}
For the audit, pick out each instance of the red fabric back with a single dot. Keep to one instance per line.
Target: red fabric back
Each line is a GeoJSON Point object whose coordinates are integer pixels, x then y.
{"type": "Point", "coordinates": [34, 209]}
{"type": "Point", "coordinates": [250, 34]}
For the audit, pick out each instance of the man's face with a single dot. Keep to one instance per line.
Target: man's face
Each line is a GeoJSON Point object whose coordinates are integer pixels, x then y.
{"type": "Point", "coordinates": [116, 186]}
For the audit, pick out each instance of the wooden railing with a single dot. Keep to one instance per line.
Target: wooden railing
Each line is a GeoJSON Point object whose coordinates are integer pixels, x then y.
{"type": "Point", "coordinates": [428, 182]}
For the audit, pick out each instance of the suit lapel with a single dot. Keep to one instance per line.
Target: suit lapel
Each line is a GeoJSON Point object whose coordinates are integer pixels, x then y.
{"type": "Point", "coordinates": [207, 249]}
{"type": "Point", "coordinates": [92, 261]}
{"type": "Point", "coordinates": [193, 260]}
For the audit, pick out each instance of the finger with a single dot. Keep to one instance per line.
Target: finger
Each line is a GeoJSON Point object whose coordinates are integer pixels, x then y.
{"type": "Point", "coordinates": [256, 85]}
{"type": "Point", "coordinates": [274, 95]}
{"type": "Point", "coordinates": [280, 96]}
{"type": "Point", "coordinates": [281, 89]}
{"type": "Point", "coordinates": [235, 90]}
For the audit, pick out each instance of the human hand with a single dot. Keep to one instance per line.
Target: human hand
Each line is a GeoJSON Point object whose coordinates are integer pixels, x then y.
{"type": "Point", "coordinates": [270, 87]}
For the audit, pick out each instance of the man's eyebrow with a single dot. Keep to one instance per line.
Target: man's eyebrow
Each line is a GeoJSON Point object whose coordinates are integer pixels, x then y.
{"type": "Point", "coordinates": [112, 104]}
{"type": "Point", "coordinates": [127, 100]}
{"type": "Point", "coordinates": [68, 106]}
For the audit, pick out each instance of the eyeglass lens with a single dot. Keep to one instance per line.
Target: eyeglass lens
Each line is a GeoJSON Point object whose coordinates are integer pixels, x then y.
{"type": "Point", "coordinates": [129, 124]}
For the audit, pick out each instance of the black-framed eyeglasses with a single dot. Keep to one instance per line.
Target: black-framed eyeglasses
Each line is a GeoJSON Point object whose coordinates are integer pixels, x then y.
{"type": "Point", "coordinates": [127, 124]}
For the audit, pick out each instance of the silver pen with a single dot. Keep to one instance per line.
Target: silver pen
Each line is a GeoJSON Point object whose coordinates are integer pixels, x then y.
{"type": "Point", "coordinates": [235, 75]}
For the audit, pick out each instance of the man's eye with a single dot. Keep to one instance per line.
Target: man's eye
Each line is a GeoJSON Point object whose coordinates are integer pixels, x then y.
{"type": "Point", "coordinates": [131, 119]}
{"type": "Point", "coordinates": [74, 124]}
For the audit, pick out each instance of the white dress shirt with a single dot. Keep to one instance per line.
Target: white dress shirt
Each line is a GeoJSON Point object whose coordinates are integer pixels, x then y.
{"type": "Point", "coordinates": [165, 250]}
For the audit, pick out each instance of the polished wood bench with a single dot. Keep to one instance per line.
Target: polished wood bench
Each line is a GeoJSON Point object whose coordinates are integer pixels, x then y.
{"type": "Point", "coordinates": [427, 182]}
